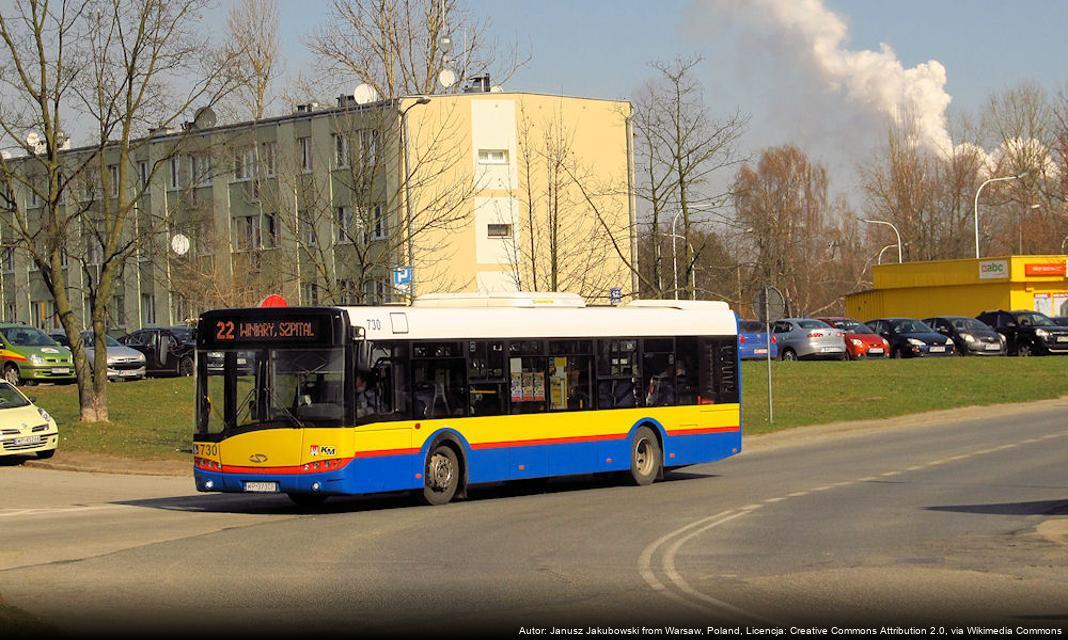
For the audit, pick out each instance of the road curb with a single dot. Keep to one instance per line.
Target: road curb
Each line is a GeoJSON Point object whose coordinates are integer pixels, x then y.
{"type": "Point", "coordinates": [113, 470]}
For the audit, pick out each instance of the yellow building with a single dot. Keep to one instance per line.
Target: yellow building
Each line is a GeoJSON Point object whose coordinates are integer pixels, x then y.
{"type": "Point", "coordinates": [964, 287]}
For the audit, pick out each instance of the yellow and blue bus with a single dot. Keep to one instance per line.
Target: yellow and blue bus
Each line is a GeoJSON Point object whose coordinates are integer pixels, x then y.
{"type": "Point", "coordinates": [459, 390]}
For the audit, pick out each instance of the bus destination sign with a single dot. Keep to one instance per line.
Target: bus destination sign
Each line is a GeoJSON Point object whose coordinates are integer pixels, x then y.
{"type": "Point", "coordinates": [279, 329]}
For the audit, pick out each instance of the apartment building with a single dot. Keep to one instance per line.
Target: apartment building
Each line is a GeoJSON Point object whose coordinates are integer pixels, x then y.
{"type": "Point", "coordinates": [479, 191]}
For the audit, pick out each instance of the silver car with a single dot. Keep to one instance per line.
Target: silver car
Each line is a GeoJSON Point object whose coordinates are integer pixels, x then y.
{"type": "Point", "coordinates": [124, 363]}
{"type": "Point", "coordinates": [807, 338]}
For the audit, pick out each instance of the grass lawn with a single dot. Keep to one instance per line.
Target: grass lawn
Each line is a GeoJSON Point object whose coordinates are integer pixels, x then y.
{"type": "Point", "coordinates": [154, 418]}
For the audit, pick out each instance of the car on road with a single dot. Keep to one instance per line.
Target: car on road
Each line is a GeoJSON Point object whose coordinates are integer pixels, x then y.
{"type": "Point", "coordinates": [1061, 320]}
{"type": "Point", "coordinates": [124, 363]}
{"type": "Point", "coordinates": [860, 340]}
{"type": "Point", "coordinates": [808, 338]}
{"type": "Point", "coordinates": [28, 355]}
{"type": "Point", "coordinates": [753, 341]}
{"type": "Point", "coordinates": [969, 336]}
{"type": "Point", "coordinates": [25, 428]}
{"type": "Point", "coordinates": [168, 350]}
{"type": "Point", "coordinates": [1027, 333]}
{"type": "Point", "coordinates": [912, 338]}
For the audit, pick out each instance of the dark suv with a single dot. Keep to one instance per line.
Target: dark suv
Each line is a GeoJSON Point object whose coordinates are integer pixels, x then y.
{"type": "Point", "coordinates": [168, 350]}
{"type": "Point", "coordinates": [1027, 333]}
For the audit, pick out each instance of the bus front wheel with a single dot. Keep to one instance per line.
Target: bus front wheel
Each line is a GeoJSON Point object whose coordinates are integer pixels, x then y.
{"type": "Point", "coordinates": [442, 475]}
{"type": "Point", "coordinates": [645, 458]}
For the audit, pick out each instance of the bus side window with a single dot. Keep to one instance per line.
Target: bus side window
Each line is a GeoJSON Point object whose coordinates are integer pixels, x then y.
{"type": "Point", "coordinates": [687, 371]}
{"type": "Point", "coordinates": [486, 378]}
{"type": "Point", "coordinates": [438, 376]}
{"type": "Point", "coordinates": [618, 373]}
{"type": "Point", "coordinates": [658, 372]}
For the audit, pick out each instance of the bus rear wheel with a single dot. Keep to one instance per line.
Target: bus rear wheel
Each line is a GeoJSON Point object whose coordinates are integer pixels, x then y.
{"type": "Point", "coordinates": [441, 477]}
{"type": "Point", "coordinates": [645, 458]}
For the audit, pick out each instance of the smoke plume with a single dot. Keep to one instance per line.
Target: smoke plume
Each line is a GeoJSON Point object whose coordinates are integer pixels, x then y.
{"type": "Point", "coordinates": [821, 84]}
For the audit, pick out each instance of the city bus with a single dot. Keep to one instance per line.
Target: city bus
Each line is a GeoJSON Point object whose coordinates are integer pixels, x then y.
{"type": "Point", "coordinates": [458, 390]}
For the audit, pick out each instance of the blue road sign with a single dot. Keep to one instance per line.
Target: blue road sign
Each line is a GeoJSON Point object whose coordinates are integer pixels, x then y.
{"type": "Point", "coordinates": [402, 276]}
{"type": "Point", "coordinates": [615, 295]}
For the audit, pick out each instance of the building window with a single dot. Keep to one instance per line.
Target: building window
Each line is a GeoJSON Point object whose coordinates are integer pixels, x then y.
{"type": "Point", "coordinates": [341, 150]}
{"type": "Point", "coordinates": [369, 147]}
{"type": "Point", "coordinates": [148, 309]}
{"type": "Point", "coordinates": [267, 156]}
{"type": "Point", "coordinates": [201, 167]}
{"type": "Point", "coordinates": [44, 314]}
{"type": "Point", "coordinates": [304, 146]}
{"type": "Point", "coordinates": [379, 223]}
{"type": "Point", "coordinates": [175, 182]}
{"type": "Point", "coordinates": [94, 250]}
{"type": "Point", "coordinates": [493, 156]}
{"type": "Point", "coordinates": [375, 292]}
{"type": "Point", "coordinates": [307, 230]}
{"type": "Point", "coordinates": [344, 224]}
{"type": "Point", "coordinates": [247, 233]}
{"type": "Point", "coordinates": [113, 176]}
{"type": "Point", "coordinates": [11, 312]}
{"type": "Point", "coordinates": [271, 232]}
{"type": "Point", "coordinates": [245, 163]}
{"type": "Point", "coordinates": [142, 173]}
{"type": "Point", "coordinates": [9, 259]}
{"type": "Point", "coordinates": [118, 311]}
{"type": "Point", "coordinates": [499, 231]}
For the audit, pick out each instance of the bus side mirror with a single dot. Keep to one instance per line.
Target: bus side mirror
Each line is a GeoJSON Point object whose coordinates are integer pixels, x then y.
{"type": "Point", "coordinates": [363, 356]}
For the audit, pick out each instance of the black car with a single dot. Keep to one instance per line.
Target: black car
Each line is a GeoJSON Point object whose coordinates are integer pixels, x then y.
{"type": "Point", "coordinates": [1061, 320]}
{"type": "Point", "coordinates": [169, 351]}
{"type": "Point", "coordinates": [1027, 333]}
{"type": "Point", "coordinates": [911, 338]}
{"type": "Point", "coordinates": [969, 336]}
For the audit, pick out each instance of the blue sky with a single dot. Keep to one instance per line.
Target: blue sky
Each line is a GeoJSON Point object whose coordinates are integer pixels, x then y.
{"type": "Point", "coordinates": [601, 48]}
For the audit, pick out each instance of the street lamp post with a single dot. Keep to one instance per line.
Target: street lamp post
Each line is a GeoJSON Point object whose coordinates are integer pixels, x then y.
{"type": "Point", "coordinates": [899, 255]}
{"type": "Point", "coordinates": [675, 254]}
{"type": "Point", "coordinates": [883, 250]}
{"type": "Point", "coordinates": [408, 191]}
{"type": "Point", "coordinates": [975, 208]}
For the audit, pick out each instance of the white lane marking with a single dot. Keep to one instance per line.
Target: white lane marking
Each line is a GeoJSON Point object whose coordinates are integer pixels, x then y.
{"type": "Point", "coordinates": [752, 507]}
{"type": "Point", "coordinates": [868, 479]}
{"type": "Point", "coordinates": [673, 574]}
{"type": "Point", "coordinates": [796, 494]}
{"type": "Point", "coordinates": [823, 488]}
{"type": "Point", "coordinates": [771, 500]}
{"type": "Point", "coordinates": [915, 468]}
{"type": "Point", "coordinates": [889, 473]}
{"type": "Point", "coordinates": [645, 560]}
{"type": "Point", "coordinates": [9, 513]}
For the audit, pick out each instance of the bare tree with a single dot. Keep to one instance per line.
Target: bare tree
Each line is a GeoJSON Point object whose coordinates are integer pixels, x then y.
{"type": "Point", "coordinates": [400, 46]}
{"type": "Point", "coordinates": [125, 67]}
{"type": "Point", "coordinates": [253, 34]}
{"type": "Point", "coordinates": [685, 154]}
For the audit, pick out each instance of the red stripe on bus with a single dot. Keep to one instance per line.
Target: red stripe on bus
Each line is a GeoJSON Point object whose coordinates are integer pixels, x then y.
{"type": "Point", "coordinates": [529, 443]}
{"type": "Point", "coordinates": [694, 432]}
{"type": "Point", "coordinates": [386, 452]}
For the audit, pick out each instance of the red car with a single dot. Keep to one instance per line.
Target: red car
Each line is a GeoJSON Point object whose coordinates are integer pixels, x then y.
{"type": "Point", "coordinates": [861, 342]}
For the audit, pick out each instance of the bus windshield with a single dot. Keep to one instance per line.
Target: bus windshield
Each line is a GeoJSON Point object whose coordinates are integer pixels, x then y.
{"type": "Point", "coordinates": [268, 388]}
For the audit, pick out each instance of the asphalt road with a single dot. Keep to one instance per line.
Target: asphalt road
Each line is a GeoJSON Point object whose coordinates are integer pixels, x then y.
{"type": "Point", "coordinates": [941, 523]}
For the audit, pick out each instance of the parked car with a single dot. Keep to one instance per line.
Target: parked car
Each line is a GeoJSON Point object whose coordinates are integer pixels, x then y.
{"type": "Point", "coordinates": [1061, 320]}
{"type": "Point", "coordinates": [911, 338]}
{"type": "Point", "coordinates": [860, 340]}
{"type": "Point", "coordinates": [1027, 333]}
{"type": "Point", "coordinates": [969, 336]}
{"type": "Point", "coordinates": [753, 341]}
{"type": "Point", "coordinates": [25, 427]}
{"type": "Point", "coordinates": [124, 363]}
{"type": "Point", "coordinates": [28, 355]}
{"type": "Point", "coordinates": [808, 338]}
{"type": "Point", "coordinates": [167, 350]}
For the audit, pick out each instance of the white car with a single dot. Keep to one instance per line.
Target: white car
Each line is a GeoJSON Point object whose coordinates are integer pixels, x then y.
{"type": "Point", "coordinates": [24, 427]}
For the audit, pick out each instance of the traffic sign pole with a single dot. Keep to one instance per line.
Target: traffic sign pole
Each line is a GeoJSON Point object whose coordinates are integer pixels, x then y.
{"type": "Point", "coordinates": [767, 336]}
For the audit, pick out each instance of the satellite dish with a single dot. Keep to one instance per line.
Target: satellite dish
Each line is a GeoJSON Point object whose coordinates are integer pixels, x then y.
{"type": "Point", "coordinates": [32, 139]}
{"type": "Point", "coordinates": [204, 118]}
{"type": "Point", "coordinates": [364, 93]}
{"type": "Point", "coordinates": [447, 78]}
{"type": "Point", "coordinates": [180, 244]}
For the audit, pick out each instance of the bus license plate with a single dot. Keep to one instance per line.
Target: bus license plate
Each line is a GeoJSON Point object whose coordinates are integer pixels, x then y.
{"type": "Point", "coordinates": [261, 487]}
{"type": "Point", "coordinates": [937, 349]}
